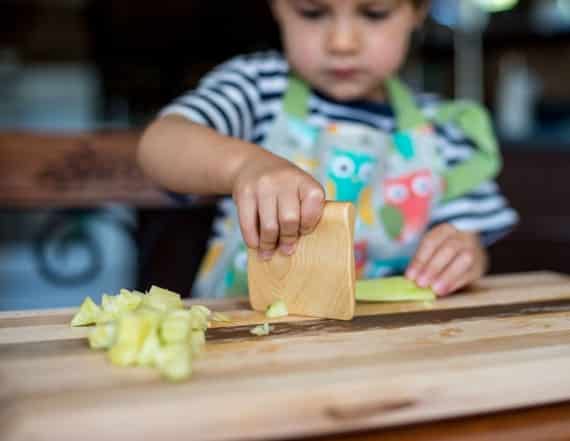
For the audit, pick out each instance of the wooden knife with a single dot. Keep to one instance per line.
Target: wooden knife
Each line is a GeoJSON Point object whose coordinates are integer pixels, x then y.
{"type": "Point", "coordinates": [318, 280]}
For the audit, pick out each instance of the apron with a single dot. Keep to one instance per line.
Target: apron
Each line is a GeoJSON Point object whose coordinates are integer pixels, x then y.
{"type": "Point", "coordinates": [394, 180]}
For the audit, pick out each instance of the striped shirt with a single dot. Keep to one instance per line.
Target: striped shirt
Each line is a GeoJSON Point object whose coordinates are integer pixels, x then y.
{"type": "Point", "coordinates": [241, 98]}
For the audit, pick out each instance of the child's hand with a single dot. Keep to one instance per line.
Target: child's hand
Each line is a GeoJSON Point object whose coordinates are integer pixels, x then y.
{"type": "Point", "coordinates": [276, 202]}
{"type": "Point", "coordinates": [447, 260]}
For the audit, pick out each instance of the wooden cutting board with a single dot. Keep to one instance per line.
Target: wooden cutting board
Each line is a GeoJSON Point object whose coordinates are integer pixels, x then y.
{"type": "Point", "coordinates": [504, 344]}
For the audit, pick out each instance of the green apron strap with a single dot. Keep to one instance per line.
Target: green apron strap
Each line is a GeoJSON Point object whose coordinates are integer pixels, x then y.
{"type": "Point", "coordinates": [408, 115]}
{"type": "Point", "coordinates": [486, 162]}
{"type": "Point", "coordinates": [475, 123]}
{"type": "Point", "coordinates": [296, 101]}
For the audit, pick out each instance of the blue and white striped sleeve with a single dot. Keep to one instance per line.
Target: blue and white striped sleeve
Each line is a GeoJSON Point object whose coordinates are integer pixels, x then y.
{"type": "Point", "coordinates": [484, 209]}
{"type": "Point", "coordinates": [225, 100]}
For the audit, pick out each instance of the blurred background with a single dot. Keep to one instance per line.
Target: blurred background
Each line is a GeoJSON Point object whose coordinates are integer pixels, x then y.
{"type": "Point", "coordinates": [80, 78]}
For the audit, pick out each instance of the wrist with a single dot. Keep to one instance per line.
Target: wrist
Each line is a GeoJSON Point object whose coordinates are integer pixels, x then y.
{"type": "Point", "coordinates": [243, 153]}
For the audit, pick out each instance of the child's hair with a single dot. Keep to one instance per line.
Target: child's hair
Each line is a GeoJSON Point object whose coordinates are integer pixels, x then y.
{"type": "Point", "coordinates": [420, 3]}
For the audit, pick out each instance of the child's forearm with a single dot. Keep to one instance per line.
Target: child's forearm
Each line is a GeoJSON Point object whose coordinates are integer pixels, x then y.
{"type": "Point", "coordinates": [276, 200]}
{"type": "Point", "coordinates": [189, 158]}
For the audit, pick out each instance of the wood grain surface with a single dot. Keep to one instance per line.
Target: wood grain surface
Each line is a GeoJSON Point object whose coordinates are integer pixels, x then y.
{"type": "Point", "coordinates": [391, 371]}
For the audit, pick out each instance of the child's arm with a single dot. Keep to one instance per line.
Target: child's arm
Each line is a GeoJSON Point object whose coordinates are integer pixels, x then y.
{"type": "Point", "coordinates": [448, 259]}
{"type": "Point", "coordinates": [276, 200]}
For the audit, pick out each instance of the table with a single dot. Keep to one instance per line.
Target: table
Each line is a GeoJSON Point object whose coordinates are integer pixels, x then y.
{"type": "Point", "coordinates": [459, 368]}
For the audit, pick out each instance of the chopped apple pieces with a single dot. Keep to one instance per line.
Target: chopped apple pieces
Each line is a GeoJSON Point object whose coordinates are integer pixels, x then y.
{"type": "Point", "coordinates": [261, 330]}
{"type": "Point", "coordinates": [151, 330]}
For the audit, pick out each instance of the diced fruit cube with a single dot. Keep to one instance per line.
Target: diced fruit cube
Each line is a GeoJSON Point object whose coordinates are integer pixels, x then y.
{"type": "Point", "coordinates": [123, 355]}
{"type": "Point", "coordinates": [175, 362]}
{"type": "Point", "coordinates": [277, 309]}
{"type": "Point", "coordinates": [108, 303]}
{"type": "Point", "coordinates": [198, 341]}
{"type": "Point", "coordinates": [175, 328]}
{"type": "Point", "coordinates": [199, 318]}
{"type": "Point", "coordinates": [202, 309]}
{"type": "Point", "coordinates": [153, 315]}
{"type": "Point", "coordinates": [127, 300]}
{"type": "Point", "coordinates": [87, 313]}
{"type": "Point", "coordinates": [162, 299]}
{"type": "Point", "coordinates": [132, 329]}
{"type": "Point", "coordinates": [105, 317]}
{"type": "Point", "coordinates": [102, 336]}
{"type": "Point", "coordinates": [261, 330]}
{"type": "Point", "coordinates": [149, 350]}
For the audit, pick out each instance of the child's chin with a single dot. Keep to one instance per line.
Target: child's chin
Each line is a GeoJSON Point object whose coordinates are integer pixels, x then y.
{"type": "Point", "coordinates": [345, 93]}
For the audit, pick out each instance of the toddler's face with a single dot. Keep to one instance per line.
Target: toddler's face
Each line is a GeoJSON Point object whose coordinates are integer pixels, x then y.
{"type": "Point", "coordinates": [346, 48]}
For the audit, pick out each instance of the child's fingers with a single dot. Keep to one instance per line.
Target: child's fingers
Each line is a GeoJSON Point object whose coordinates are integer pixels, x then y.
{"type": "Point", "coordinates": [268, 225]}
{"type": "Point", "coordinates": [463, 281]}
{"type": "Point", "coordinates": [439, 261]}
{"type": "Point", "coordinates": [455, 274]}
{"type": "Point", "coordinates": [247, 214]}
{"type": "Point", "coordinates": [428, 246]}
{"type": "Point", "coordinates": [312, 205]}
{"type": "Point", "coordinates": [288, 209]}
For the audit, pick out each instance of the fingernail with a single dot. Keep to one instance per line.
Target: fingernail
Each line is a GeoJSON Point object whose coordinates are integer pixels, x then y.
{"type": "Point", "coordinates": [265, 254]}
{"type": "Point", "coordinates": [439, 288]}
{"type": "Point", "coordinates": [423, 281]}
{"type": "Point", "coordinates": [411, 273]}
{"type": "Point", "coordinates": [288, 249]}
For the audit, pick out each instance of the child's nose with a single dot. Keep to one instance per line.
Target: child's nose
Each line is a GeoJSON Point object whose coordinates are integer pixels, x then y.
{"type": "Point", "coordinates": [343, 38]}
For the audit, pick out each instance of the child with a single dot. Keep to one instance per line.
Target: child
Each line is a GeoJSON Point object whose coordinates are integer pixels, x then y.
{"type": "Point", "coordinates": [330, 120]}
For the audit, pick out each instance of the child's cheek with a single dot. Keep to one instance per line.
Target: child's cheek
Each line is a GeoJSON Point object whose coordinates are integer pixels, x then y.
{"type": "Point", "coordinates": [304, 57]}
{"type": "Point", "coordinates": [387, 56]}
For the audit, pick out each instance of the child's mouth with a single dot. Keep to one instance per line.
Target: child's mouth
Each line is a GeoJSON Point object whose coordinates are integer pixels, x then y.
{"type": "Point", "coordinates": [344, 73]}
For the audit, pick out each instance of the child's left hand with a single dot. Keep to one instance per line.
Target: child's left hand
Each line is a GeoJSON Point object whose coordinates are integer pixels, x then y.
{"type": "Point", "coordinates": [447, 260]}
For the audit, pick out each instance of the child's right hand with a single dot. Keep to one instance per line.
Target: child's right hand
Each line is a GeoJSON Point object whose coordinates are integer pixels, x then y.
{"type": "Point", "coordinates": [276, 202]}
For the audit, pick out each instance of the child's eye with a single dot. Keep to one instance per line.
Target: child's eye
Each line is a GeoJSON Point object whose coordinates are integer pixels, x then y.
{"type": "Point", "coordinates": [375, 15]}
{"type": "Point", "coordinates": [312, 14]}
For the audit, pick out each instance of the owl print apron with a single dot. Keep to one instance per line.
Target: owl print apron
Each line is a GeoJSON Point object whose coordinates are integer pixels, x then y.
{"type": "Point", "coordinates": [394, 180]}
